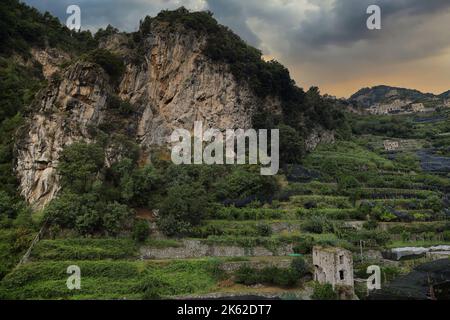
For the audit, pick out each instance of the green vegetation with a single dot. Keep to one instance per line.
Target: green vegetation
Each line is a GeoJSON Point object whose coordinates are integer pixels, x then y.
{"type": "Point", "coordinates": [242, 214]}
{"type": "Point", "coordinates": [324, 292]}
{"type": "Point", "coordinates": [84, 249]}
{"type": "Point", "coordinates": [96, 199]}
{"type": "Point", "coordinates": [273, 275]}
{"type": "Point", "coordinates": [141, 231]}
{"type": "Point", "coordinates": [18, 85]}
{"type": "Point", "coordinates": [321, 202]}
{"type": "Point", "coordinates": [23, 27]}
{"type": "Point", "coordinates": [343, 159]}
{"type": "Point", "coordinates": [184, 207]}
{"type": "Point", "coordinates": [347, 193]}
{"type": "Point", "coordinates": [13, 244]}
{"type": "Point", "coordinates": [109, 279]}
{"type": "Point", "coordinates": [237, 228]}
{"type": "Point", "coordinates": [111, 63]}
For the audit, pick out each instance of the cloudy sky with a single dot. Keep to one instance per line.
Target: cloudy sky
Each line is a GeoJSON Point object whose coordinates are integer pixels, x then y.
{"type": "Point", "coordinates": [323, 42]}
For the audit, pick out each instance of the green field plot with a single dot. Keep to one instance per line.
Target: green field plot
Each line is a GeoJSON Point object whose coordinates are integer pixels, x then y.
{"type": "Point", "coordinates": [321, 202]}
{"type": "Point", "coordinates": [391, 193]}
{"type": "Point", "coordinates": [84, 249]}
{"type": "Point", "coordinates": [110, 279]}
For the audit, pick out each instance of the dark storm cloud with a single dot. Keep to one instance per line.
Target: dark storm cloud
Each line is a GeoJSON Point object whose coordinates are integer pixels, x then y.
{"type": "Point", "coordinates": [323, 42]}
{"type": "Point", "coordinates": [344, 21]}
{"type": "Point", "coordinates": [327, 43]}
{"type": "Point", "coordinates": [339, 22]}
{"type": "Point", "coordinates": [122, 14]}
{"type": "Point", "coordinates": [234, 15]}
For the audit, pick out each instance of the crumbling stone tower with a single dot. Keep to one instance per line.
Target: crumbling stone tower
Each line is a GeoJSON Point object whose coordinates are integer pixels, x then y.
{"type": "Point", "coordinates": [334, 266]}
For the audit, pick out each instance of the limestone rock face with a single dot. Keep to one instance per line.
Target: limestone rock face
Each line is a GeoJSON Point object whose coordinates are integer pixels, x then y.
{"type": "Point", "coordinates": [50, 59]}
{"type": "Point", "coordinates": [177, 85]}
{"type": "Point", "coordinates": [64, 112]}
{"type": "Point", "coordinates": [172, 85]}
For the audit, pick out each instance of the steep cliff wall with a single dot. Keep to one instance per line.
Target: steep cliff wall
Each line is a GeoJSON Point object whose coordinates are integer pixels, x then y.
{"type": "Point", "coordinates": [177, 85]}
{"type": "Point", "coordinates": [64, 112]}
{"type": "Point", "coordinates": [171, 86]}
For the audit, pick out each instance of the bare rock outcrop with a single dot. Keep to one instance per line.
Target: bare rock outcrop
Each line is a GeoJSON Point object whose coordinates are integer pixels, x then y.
{"type": "Point", "coordinates": [51, 60]}
{"type": "Point", "coordinates": [65, 110]}
{"type": "Point", "coordinates": [172, 86]}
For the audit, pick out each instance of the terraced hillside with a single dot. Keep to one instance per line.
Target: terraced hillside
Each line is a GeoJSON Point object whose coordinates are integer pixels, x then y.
{"type": "Point", "coordinates": [139, 226]}
{"type": "Point", "coordinates": [359, 196]}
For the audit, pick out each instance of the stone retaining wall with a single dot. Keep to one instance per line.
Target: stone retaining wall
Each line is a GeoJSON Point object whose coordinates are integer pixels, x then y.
{"type": "Point", "coordinates": [258, 265]}
{"type": "Point", "coordinates": [197, 249]}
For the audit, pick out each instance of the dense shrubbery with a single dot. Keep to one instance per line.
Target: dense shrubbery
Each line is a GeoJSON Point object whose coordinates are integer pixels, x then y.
{"type": "Point", "coordinates": [111, 63]}
{"type": "Point", "coordinates": [104, 33]}
{"type": "Point", "coordinates": [446, 235]}
{"type": "Point", "coordinates": [292, 145]}
{"type": "Point", "coordinates": [185, 206]}
{"type": "Point", "coordinates": [88, 214]}
{"type": "Point", "coordinates": [13, 243]}
{"type": "Point", "coordinates": [273, 275]}
{"type": "Point", "coordinates": [141, 231]}
{"type": "Point", "coordinates": [8, 210]}
{"type": "Point", "coordinates": [233, 213]}
{"type": "Point", "coordinates": [321, 202]}
{"type": "Point", "coordinates": [85, 203]}
{"type": "Point", "coordinates": [84, 249]}
{"type": "Point", "coordinates": [324, 292]}
{"type": "Point", "coordinates": [79, 166]}
{"type": "Point", "coordinates": [18, 84]}
{"type": "Point", "coordinates": [241, 183]}
{"type": "Point", "coordinates": [299, 266]}
{"type": "Point", "coordinates": [151, 287]}
{"type": "Point", "coordinates": [120, 107]}
{"type": "Point", "coordinates": [372, 238]}
{"type": "Point", "coordinates": [271, 243]}
{"type": "Point", "coordinates": [126, 279]}
{"type": "Point", "coordinates": [317, 224]}
{"type": "Point", "coordinates": [232, 228]}
{"type": "Point", "coordinates": [95, 198]}
{"type": "Point", "coordinates": [332, 213]}
{"type": "Point", "coordinates": [304, 245]}
{"type": "Point", "coordinates": [23, 27]}
{"type": "Point", "coordinates": [383, 126]}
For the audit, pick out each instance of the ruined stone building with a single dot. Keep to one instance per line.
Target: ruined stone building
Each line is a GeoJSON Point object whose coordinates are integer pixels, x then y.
{"type": "Point", "coordinates": [390, 145]}
{"type": "Point", "coordinates": [333, 265]}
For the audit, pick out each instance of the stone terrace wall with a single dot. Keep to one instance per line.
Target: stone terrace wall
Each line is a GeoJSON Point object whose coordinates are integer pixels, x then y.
{"type": "Point", "coordinates": [258, 265]}
{"type": "Point", "coordinates": [197, 249]}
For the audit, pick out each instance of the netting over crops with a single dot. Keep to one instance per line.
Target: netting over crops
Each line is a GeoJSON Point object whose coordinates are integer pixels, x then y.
{"type": "Point", "coordinates": [417, 284]}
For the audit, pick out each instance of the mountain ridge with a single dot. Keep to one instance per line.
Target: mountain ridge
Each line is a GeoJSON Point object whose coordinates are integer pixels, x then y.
{"type": "Point", "coordinates": [383, 99]}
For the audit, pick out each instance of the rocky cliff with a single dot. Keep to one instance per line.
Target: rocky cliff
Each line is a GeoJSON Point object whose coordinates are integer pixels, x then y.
{"type": "Point", "coordinates": [178, 68]}
{"type": "Point", "coordinates": [171, 86]}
